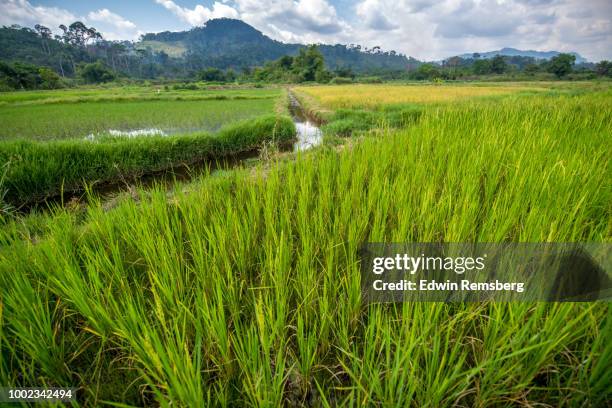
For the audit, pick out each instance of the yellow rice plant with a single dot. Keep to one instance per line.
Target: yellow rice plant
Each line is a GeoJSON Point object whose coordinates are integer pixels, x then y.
{"type": "Point", "coordinates": [369, 96]}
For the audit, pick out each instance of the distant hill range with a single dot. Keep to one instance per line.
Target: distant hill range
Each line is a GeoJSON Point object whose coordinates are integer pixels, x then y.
{"type": "Point", "coordinates": [513, 52]}
{"type": "Point", "coordinates": [229, 43]}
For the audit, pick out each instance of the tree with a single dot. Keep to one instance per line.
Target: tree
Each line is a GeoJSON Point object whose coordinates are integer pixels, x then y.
{"type": "Point", "coordinates": [27, 76]}
{"type": "Point", "coordinates": [498, 65]}
{"type": "Point", "coordinates": [453, 62]}
{"type": "Point", "coordinates": [344, 72]}
{"type": "Point", "coordinates": [322, 76]}
{"type": "Point", "coordinates": [45, 34]}
{"type": "Point", "coordinates": [309, 64]}
{"type": "Point", "coordinates": [426, 71]}
{"type": "Point", "coordinates": [93, 34]}
{"type": "Point", "coordinates": [78, 34]}
{"type": "Point", "coordinates": [230, 75]}
{"type": "Point", "coordinates": [532, 69]}
{"type": "Point", "coordinates": [561, 64]}
{"type": "Point", "coordinates": [163, 57]}
{"type": "Point", "coordinates": [113, 50]}
{"type": "Point", "coordinates": [21, 75]}
{"type": "Point", "coordinates": [212, 75]}
{"type": "Point", "coordinates": [285, 62]}
{"type": "Point", "coordinates": [95, 73]}
{"type": "Point", "coordinates": [49, 78]}
{"type": "Point", "coordinates": [482, 67]}
{"type": "Point", "coordinates": [604, 68]}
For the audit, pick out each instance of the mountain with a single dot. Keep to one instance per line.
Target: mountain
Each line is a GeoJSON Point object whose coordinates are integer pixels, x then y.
{"type": "Point", "coordinates": [512, 52]}
{"type": "Point", "coordinates": [229, 43]}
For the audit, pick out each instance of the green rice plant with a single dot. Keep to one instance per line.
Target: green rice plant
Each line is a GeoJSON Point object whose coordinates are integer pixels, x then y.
{"type": "Point", "coordinates": [47, 122]}
{"type": "Point", "coordinates": [130, 93]}
{"type": "Point", "coordinates": [43, 169]}
{"type": "Point", "coordinates": [347, 122]}
{"type": "Point", "coordinates": [6, 209]}
{"type": "Point", "coordinates": [244, 290]}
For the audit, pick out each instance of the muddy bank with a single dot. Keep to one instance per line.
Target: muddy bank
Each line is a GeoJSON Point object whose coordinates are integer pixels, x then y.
{"type": "Point", "coordinates": [168, 177]}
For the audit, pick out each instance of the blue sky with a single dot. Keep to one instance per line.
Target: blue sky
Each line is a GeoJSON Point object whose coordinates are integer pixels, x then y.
{"type": "Point", "coordinates": [425, 29]}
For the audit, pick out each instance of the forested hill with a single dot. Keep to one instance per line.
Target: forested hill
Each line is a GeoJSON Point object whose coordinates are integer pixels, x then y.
{"type": "Point", "coordinates": [220, 43]}
{"type": "Point", "coordinates": [513, 52]}
{"type": "Point", "coordinates": [24, 45]}
{"type": "Point", "coordinates": [228, 43]}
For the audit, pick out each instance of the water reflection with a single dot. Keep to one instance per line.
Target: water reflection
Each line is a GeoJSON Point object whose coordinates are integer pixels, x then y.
{"type": "Point", "coordinates": [128, 133]}
{"type": "Point", "coordinates": [308, 136]}
{"type": "Point", "coordinates": [308, 133]}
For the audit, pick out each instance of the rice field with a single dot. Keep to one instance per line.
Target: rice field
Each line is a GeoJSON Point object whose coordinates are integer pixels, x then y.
{"type": "Point", "coordinates": [132, 93]}
{"type": "Point", "coordinates": [36, 171]}
{"type": "Point", "coordinates": [66, 141]}
{"type": "Point", "coordinates": [244, 289]}
{"type": "Point", "coordinates": [77, 115]}
{"type": "Point", "coordinates": [369, 96]}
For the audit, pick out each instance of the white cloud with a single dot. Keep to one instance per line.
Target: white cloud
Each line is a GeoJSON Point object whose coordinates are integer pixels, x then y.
{"type": "Point", "coordinates": [315, 15]}
{"type": "Point", "coordinates": [426, 29]}
{"type": "Point", "coordinates": [286, 20]}
{"type": "Point", "coordinates": [371, 13]}
{"type": "Point", "coordinates": [111, 25]}
{"type": "Point", "coordinates": [420, 5]}
{"type": "Point", "coordinates": [200, 14]}
{"type": "Point", "coordinates": [430, 29]}
{"type": "Point", "coordinates": [306, 21]}
{"type": "Point", "coordinates": [487, 18]}
{"type": "Point", "coordinates": [107, 16]}
{"type": "Point", "coordinates": [23, 13]}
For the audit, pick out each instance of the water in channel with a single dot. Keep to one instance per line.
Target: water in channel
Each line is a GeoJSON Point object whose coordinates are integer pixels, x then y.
{"type": "Point", "coordinates": [309, 134]}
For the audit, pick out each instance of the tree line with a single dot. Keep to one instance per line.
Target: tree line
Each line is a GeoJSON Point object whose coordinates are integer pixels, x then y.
{"type": "Point", "coordinates": [37, 59]}
{"type": "Point", "coordinates": [560, 66]}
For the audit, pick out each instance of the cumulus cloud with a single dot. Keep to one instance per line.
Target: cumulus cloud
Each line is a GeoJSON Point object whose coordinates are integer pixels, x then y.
{"type": "Point", "coordinates": [417, 6]}
{"type": "Point", "coordinates": [485, 19]}
{"type": "Point", "coordinates": [535, 2]}
{"type": "Point", "coordinates": [544, 18]}
{"type": "Point", "coordinates": [111, 25]}
{"type": "Point", "coordinates": [107, 16]}
{"type": "Point", "coordinates": [308, 20]}
{"type": "Point", "coordinates": [443, 28]}
{"type": "Point", "coordinates": [316, 15]}
{"type": "Point", "coordinates": [199, 14]}
{"type": "Point", "coordinates": [371, 13]}
{"type": "Point", "coordinates": [287, 20]}
{"type": "Point", "coordinates": [23, 13]}
{"type": "Point", "coordinates": [426, 29]}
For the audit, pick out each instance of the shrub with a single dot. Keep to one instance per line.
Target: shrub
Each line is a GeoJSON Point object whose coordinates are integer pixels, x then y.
{"type": "Point", "coordinates": [341, 81]}
{"type": "Point", "coordinates": [95, 73]}
{"type": "Point", "coordinates": [561, 65]}
{"type": "Point", "coordinates": [49, 78]}
{"type": "Point", "coordinates": [371, 80]}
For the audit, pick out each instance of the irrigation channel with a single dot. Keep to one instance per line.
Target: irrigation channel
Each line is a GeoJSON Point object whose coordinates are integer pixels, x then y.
{"type": "Point", "coordinates": [308, 135]}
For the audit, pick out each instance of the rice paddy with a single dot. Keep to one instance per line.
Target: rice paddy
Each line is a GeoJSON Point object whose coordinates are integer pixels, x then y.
{"type": "Point", "coordinates": [133, 93]}
{"type": "Point", "coordinates": [65, 141]}
{"type": "Point", "coordinates": [76, 115]}
{"type": "Point", "coordinates": [370, 96]}
{"type": "Point", "coordinates": [243, 289]}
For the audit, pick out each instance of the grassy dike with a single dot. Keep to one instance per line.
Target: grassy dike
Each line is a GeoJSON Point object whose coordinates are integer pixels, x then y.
{"type": "Point", "coordinates": [37, 170]}
{"type": "Point", "coordinates": [245, 290]}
